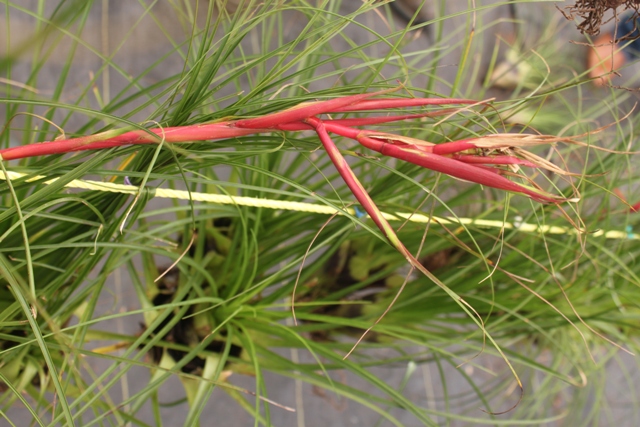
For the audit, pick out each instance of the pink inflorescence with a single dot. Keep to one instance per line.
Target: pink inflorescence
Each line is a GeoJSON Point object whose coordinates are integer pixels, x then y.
{"type": "Point", "coordinates": [479, 160]}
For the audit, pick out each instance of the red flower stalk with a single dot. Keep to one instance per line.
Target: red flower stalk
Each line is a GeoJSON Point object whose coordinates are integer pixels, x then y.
{"type": "Point", "coordinates": [480, 160]}
{"type": "Point", "coordinates": [290, 119]}
{"type": "Point", "coordinates": [472, 160]}
{"type": "Point", "coordinates": [444, 158]}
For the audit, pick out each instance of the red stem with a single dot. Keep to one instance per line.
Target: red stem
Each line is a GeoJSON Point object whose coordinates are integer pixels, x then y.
{"type": "Point", "coordinates": [348, 176]}
{"type": "Point", "coordinates": [301, 112]}
{"type": "Point", "coordinates": [205, 132]}
{"type": "Point", "coordinates": [385, 103]}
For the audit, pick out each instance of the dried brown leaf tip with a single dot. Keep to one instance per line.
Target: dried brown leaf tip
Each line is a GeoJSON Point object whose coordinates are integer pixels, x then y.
{"type": "Point", "coordinates": [592, 13]}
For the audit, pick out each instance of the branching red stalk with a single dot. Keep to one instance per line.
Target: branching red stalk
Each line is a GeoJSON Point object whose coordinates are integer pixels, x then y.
{"type": "Point", "coordinates": [465, 171]}
{"type": "Point", "coordinates": [360, 193]}
{"type": "Point", "coordinates": [453, 158]}
{"type": "Point", "coordinates": [451, 166]}
{"type": "Point", "coordinates": [383, 225]}
{"type": "Point", "coordinates": [290, 120]}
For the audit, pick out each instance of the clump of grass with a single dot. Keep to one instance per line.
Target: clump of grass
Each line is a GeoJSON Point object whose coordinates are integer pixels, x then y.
{"type": "Point", "coordinates": [210, 286]}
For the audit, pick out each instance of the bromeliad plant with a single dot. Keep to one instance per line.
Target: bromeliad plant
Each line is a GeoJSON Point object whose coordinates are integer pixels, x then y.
{"type": "Point", "coordinates": [484, 160]}
{"type": "Point", "coordinates": [227, 309]}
